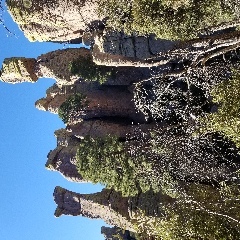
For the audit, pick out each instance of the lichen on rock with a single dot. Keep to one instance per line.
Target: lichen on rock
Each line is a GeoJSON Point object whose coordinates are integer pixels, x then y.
{"type": "Point", "coordinates": [18, 69]}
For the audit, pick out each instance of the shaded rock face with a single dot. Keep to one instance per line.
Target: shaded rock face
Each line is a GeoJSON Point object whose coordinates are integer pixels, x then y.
{"type": "Point", "coordinates": [120, 128]}
{"type": "Point", "coordinates": [63, 160]}
{"type": "Point", "coordinates": [115, 233]}
{"type": "Point", "coordinates": [53, 20]}
{"type": "Point", "coordinates": [109, 205]}
{"type": "Point", "coordinates": [126, 76]}
{"type": "Point", "coordinates": [103, 101]}
{"type": "Point", "coordinates": [63, 157]}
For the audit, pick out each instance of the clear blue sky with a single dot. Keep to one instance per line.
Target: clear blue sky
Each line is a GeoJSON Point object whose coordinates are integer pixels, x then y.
{"type": "Point", "coordinates": [26, 187]}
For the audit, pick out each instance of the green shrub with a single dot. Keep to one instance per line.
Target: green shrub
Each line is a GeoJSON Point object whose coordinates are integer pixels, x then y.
{"type": "Point", "coordinates": [85, 68]}
{"type": "Point", "coordinates": [203, 213]}
{"type": "Point", "coordinates": [71, 106]}
{"type": "Point", "coordinates": [168, 19]}
{"type": "Point", "coordinates": [107, 161]}
{"type": "Point", "coordinates": [227, 119]}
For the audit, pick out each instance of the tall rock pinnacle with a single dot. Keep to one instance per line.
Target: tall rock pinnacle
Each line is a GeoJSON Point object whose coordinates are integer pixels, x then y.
{"type": "Point", "coordinates": [107, 205]}
{"type": "Point", "coordinates": [54, 65]}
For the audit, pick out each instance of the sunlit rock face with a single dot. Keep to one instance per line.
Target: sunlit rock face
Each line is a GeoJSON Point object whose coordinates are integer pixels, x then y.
{"type": "Point", "coordinates": [53, 65]}
{"type": "Point", "coordinates": [107, 205]}
{"type": "Point", "coordinates": [141, 47]}
{"type": "Point", "coordinates": [53, 20]}
{"type": "Point", "coordinates": [19, 69]}
{"type": "Point", "coordinates": [56, 65]}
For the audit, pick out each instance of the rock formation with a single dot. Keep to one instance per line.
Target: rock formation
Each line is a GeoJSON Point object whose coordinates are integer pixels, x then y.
{"type": "Point", "coordinates": [79, 20]}
{"type": "Point", "coordinates": [63, 157]}
{"type": "Point", "coordinates": [51, 65]}
{"type": "Point", "coordinates": [109, 205]}
{"type": "Point", "coordinates": [102, 101]}
{"type": "Point", "coordinates": [54, 20]}
{"type": "Point", "coordinates": [114, 48]}
{"type": "Point", "coordinates": [16, 70]}
{"type": "Point", "coordinates": [55, 65]}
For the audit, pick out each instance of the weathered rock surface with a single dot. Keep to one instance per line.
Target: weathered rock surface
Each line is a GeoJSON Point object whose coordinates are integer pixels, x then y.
{"type": "Point", "coordinates": [55, 64]}
{"type": "Point", "coordinates": [103, 101]}
{"type": "Point", "coordinates": [140, 47]}
{"type": "Point", "coordinates": [109, 205]}
{"type": "Point", "coordinates": [54, 20]}
{"type": "Point", "coordinates": [120, 128]}
{"type": "Point", "coordinates": [63, 157]}
{"type": "Point", "coordinates": [19, 69]}
{"type": "Point", "coordinates": [63, 160]}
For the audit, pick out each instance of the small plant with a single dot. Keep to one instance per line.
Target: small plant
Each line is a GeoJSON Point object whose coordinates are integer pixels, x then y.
{"type": "Point", "coordinates": [85, 68]}
{"type": "Point", "coordinates": [71, 106]}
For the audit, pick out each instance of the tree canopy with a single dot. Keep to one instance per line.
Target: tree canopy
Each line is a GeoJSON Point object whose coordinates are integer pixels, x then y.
{"type": "Point", "coordinates": [168, 19]}
{"type": "Point", "coordinates": [110, 162]}
{"type": "Point", "coordinates": [227, 118]}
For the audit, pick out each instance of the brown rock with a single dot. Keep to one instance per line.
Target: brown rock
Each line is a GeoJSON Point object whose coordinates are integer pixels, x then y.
{"type": "Point", "coordinates": [104, 127]}
{"type": "Point", "coordinates": [55, 64]}
{"type": "Point", "coordinates": [63, 157]}
{"type": "Point", "coordinates": [103, 101]}
{"type": "Point", "coordinates": [63, 160]}
{"type": "Point", "coordinates": [107, 205]}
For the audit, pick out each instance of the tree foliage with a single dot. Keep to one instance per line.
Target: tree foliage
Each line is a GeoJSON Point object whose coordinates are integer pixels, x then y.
{"type": "Point", "coordinates": [71, 106]}
{"type": "Point", "coordinates": [108, 161]}
{"type": "Point", "coordinates": [168, 19]}
{"type": "Point", "coordinates": [85, 68]}
{"type": "Point", "coordinates": [199, 212]}
{"type": "Point", "coordinates": [227, 119]}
